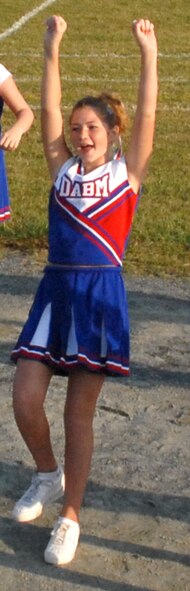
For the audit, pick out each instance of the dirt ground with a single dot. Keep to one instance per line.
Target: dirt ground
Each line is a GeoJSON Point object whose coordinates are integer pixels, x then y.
{"type": "Point", "coordinates": [135, 519]}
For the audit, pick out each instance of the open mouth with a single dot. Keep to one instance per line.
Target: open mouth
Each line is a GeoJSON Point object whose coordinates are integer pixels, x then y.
{"type": "Point", "coordinates": [86, 147]}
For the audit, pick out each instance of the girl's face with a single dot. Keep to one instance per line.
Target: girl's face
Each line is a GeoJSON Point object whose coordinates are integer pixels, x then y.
{"type": "Point", "coordinates": [91, 138]}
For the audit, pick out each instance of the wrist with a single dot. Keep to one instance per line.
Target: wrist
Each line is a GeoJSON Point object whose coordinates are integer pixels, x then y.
{"type": "Point", "coordinates": [149, 59]}
{"type": "Point", "coordinates": [51, 53]}
{"type": "Point", "coordinates": [18, 128]}
{"type": "Point", "coordinates": [149, 55]}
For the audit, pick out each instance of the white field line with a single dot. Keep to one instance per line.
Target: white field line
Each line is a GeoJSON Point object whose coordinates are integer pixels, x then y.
{"type": "Point", "coordinates": [165, 79]}
{"type": "Point", "coordinates": [178, 107]}
{"type": "Point", "coordinates": [87, 56]}
{"type": "Point", "coordinates": [18, 24]}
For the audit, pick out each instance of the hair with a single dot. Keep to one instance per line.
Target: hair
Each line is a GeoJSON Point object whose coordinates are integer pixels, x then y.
{"type": "Point", "coordinates": [109, 107]}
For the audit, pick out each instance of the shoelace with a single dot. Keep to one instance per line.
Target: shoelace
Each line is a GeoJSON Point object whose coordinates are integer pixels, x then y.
{"type": "Point", "coordinates": [60, 531]}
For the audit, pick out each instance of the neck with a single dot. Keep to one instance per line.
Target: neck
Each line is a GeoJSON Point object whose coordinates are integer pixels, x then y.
{"type": "Point", "coordinates": [89, 167]}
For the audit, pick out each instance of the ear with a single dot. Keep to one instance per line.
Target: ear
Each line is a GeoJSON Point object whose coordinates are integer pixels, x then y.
{"type": "Point", "coordinates": [115, 134]}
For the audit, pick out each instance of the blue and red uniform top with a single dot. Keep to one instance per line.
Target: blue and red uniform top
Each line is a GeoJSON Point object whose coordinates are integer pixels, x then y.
{"type": "Point", "coordinates": [90, 215]}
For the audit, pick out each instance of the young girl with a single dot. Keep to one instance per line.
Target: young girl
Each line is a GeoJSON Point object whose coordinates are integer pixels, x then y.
{"type": "Point", "coordinates": [10, 139]}
{"type": "Point", "coordinates": [78, 324]}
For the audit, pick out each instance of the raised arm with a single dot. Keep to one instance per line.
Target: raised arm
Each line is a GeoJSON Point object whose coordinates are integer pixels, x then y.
{"type": "Point", "coordinates": [141, 143]}
{"type": "Point", "coordinates": [9, 92]}
{"type": "Point", "coordinates": [52, 124]}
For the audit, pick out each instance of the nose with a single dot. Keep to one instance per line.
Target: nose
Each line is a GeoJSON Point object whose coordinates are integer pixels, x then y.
{"type": "Point", "coordinates": [83, 132]}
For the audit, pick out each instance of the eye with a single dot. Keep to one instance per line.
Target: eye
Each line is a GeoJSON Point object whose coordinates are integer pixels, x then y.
{"type": "Point", "coordinates": [75, 128]}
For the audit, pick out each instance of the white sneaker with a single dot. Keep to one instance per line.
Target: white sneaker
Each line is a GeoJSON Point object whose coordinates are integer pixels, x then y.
{"type": "Point", "coordinates": [45, 488]}
{"type": "Point", "coordinates": [63, 542]}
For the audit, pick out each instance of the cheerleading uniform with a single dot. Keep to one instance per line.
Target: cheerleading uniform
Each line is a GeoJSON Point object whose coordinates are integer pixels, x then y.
{"type": "Point", "coordinates": [4, 193]}
{"type": "Point", "coordinates": [79, 316]}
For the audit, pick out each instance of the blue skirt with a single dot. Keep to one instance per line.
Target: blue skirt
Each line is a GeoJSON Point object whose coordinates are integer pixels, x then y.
{"type": "Point", "coordinates": [78, 318]}
{"type": "Point", "coordinates": [4, 193]}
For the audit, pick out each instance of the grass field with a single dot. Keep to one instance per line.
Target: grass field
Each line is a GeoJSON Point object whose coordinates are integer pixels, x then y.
{"type": "Point", "coordinates": [99, 53]}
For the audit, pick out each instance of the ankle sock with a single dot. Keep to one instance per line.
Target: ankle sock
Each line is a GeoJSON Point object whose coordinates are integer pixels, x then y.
{"type": "Point", "coordinates": [68, 521]}
{"type": "Point", "coordinates": [49, 475]}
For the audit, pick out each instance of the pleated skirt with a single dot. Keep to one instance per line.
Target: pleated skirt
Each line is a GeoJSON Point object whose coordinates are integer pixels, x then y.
{"type": "Point", "coordinates": [78, 318]}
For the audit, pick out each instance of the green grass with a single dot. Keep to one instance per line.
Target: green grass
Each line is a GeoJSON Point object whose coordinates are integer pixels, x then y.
{"type": "Point", "coordinates": [160, 239]}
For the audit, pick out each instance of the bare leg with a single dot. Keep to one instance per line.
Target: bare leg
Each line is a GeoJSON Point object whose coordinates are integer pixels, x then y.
{"type": "Point", "coordinates": [83, 390]}
{"type": "Point", "coordinates": [30, 387]}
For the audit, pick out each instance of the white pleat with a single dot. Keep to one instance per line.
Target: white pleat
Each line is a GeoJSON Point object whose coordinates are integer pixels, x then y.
{"type": "Point", "coordinates": [72, 345]}
{"type": "Point", "coordinates": [40, 337]}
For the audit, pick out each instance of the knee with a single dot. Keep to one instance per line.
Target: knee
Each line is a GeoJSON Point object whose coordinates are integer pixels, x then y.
{"type": "Point", "coordinates": [29, 389]}
{"type": "Point", "coordinates": [26, 403]}
{"type": "Point", "coordinates": [76, 420]}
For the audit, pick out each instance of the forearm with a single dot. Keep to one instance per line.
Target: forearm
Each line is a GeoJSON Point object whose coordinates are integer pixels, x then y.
{"type": "Point", "coordinates": [51, 84]}
{"type": "Point", "coordinates": [148, 86]}
{"type": "Point", "coordinates": [24, 120]}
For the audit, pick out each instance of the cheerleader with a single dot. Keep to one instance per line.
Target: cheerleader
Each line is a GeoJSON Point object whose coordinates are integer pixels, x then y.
{"type": "Point", "coordinates": [10, 139]}
{"type": "Point", "coordinates": [78, 324]}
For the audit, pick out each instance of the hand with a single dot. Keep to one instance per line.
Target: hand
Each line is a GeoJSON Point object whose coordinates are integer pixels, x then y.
{"type": "Point", "coordinates": [56, 27]}
{"type": "Point", "coordinates": [11, 138]}
{"type": "Point", "coordinates": [143, 31]}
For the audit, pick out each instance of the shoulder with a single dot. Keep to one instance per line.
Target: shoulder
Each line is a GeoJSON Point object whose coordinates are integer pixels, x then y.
{"type": "Point", "coordinates": [120, 174]}
{"type": "Point", "coordinates": [4, 73]}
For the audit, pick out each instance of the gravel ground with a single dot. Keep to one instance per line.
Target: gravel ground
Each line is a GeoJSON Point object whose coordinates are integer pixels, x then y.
{"type": "Point", "coordinates": [135, 519]}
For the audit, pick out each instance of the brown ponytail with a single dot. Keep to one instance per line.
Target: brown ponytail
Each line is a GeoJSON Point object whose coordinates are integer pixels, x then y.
{"type": "Point", "coordinates": [118, 108]}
